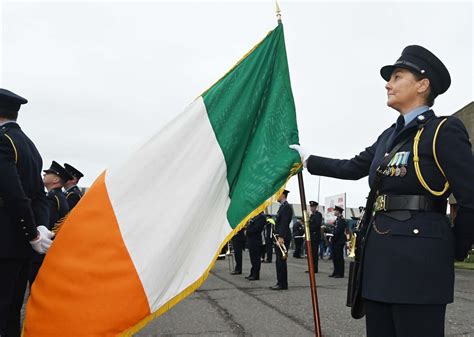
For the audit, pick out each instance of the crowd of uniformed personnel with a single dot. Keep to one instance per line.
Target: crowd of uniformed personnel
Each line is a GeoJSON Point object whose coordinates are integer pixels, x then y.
{"type": "Point", "coordinates": [38, 205]}
{"type": "Point", "coordinates": [264, 235]}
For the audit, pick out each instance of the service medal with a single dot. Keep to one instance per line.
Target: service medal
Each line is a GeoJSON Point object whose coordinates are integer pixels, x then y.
{"type": "Point", "coordinates": [403, 171]}
{"type": "Point", "coordinates": [397, 171]}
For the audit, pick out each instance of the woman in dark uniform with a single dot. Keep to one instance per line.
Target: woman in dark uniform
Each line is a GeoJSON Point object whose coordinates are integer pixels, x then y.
{"type": "Point", "coordinates": [407, 266]}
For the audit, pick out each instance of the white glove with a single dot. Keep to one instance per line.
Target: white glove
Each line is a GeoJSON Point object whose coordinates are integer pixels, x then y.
{"type": "Point", "coordinates": [42, 243]}
{"type": "Point", "coordinates": [304, 154]}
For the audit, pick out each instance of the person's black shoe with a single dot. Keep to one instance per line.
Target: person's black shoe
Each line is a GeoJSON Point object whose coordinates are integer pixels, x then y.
{"type": "Point", "coordinates": [267, 261]}
{"type": "Point", "coordinates": [253, 278]}
{"type": "Point", "coordinates": [235, 272]}
{"type": "Point", "coordinates": [332, 275]}
{"type": "Point", "coordinates": [247, 277]}
{"type": "Point", "coordinates": [278, 287]}
{"type": "Point", "coordinates": [338, 276]}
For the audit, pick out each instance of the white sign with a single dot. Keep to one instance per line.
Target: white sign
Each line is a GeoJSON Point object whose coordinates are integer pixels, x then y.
{"type": "Point", "coordinates": [330, 202]}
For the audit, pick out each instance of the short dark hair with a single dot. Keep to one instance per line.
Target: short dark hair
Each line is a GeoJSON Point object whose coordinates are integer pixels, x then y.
{"type": "Point", "coordinates": [430, 99]}
{"type": "Point", "coordinates": [8, 113]}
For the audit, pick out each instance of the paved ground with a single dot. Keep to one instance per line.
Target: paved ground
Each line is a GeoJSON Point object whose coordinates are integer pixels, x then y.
{"type": "Point", "coordinates": [229, 305]}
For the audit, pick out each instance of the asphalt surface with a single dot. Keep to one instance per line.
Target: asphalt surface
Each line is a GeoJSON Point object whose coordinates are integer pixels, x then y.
{"type": "Point", "coordinates": [229, 305]}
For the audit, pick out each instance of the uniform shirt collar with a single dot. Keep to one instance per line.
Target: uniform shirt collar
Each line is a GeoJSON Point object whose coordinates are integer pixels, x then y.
{"type": "Point", "coordinates": [70, 188]}
{"type": "Point", "coordinates": [408, 117]}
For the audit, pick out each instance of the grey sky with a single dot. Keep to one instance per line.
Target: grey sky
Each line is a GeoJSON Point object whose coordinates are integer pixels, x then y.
{"type": "Point", "coordinates": [102, 77]}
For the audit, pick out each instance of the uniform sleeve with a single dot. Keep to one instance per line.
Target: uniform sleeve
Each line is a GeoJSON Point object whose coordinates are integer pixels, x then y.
{"type": "Point", "coordinates": [53, 207]}
{"type": "Point", "coordinates": [349, 169]}
{"type": "Point", "coordinates": [11, 191]}
{"type": "Point", "coordinates": [40, 208]}
{"type": "Point", "coordinates": [72, 200]}
{"type": "Point", "coordinates": [339, 230]}
{"type": "Point", "coordinates": [455, 157]}
{"type": "Point", "coordinates": [284, 222]}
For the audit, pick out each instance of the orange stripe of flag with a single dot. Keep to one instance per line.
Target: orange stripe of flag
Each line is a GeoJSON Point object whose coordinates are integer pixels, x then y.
{"type": "Point", "coordinates": [81, 291]}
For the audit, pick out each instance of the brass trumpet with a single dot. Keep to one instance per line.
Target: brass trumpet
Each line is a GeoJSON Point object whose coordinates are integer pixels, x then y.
{"type": "Point", "coordinates": [284, 251]}
{"type": "Point", "coordinates": [353, 240]}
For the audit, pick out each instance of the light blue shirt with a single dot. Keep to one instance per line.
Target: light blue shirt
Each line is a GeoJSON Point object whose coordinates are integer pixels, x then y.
{"type": "Point", "coordinates": [414, 113]}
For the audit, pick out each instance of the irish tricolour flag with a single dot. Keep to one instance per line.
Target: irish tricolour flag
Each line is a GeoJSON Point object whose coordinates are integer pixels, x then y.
{"type": "Point", "coordinates": [149, 230]}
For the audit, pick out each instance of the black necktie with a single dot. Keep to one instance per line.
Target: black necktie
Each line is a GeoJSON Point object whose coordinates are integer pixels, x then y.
{"type": "Point", "coordinates": [400, 125]}
{"type": "Point", "coordinates": [398, 128]}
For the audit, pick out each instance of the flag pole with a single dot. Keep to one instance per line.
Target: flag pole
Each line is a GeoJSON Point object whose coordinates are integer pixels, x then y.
{"type": "Point", "coordinates": [312, 279]}
{"type": "Point", "coordinates": [309, 252]}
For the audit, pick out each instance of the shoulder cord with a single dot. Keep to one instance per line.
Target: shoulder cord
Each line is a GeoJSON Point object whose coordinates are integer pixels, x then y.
{"type": "Point", "coordinates": [416, 161]}
{"type": "Point", "coordinates": [57, 201]}
{"type": "Point", "coordinates": [14, 147]}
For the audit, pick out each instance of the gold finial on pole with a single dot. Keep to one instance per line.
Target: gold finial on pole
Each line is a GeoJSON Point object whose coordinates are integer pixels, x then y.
{"type": "Point", "coordinates": [278, 12]}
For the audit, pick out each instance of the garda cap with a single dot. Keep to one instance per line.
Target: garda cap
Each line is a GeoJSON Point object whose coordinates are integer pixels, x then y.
{"type": "Point", "coordinates": [10, 101]}
{"type": "Point", "coordinates": [313, 203]}
{"type": "Point", "coordinates": [421, 61]}
{"type": "Point", "coordinates": [73, 171]}
{"type": "Point", "coordinates": [59, 171]}
{"type": "Point", "coordinates": [339, 208]}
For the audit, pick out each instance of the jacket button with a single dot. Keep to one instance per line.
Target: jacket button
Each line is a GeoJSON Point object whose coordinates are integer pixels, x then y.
{"type": "Point", "coordinates": [21, 220]}
{"type": "Point", "coordinates": [24, 227]}
{"type": "Point", "coordinates": [416, 231]}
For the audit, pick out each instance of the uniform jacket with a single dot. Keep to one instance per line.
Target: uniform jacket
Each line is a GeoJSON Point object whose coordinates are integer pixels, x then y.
{"type": "Point", "coordinates": [339, 238]}
{"type": "Point", "coordinates": [268, 230]}
{"type": "Point", "coordinates": [58, 207]}
{"type": "Point", "coordinates": [282, 222]}
{"type": "Point", "coordinates": [254, 230]}
{"type": "Point", "coordinates": [315, 222]}
{"type": "Point", "coordinates": [73, 195]}
{"type": "Point", "coordinates": [409, 259]}
{"type": "Point", "coordinates": [298, 229]}
{"type": "Point", "coordinates": [23, 203]}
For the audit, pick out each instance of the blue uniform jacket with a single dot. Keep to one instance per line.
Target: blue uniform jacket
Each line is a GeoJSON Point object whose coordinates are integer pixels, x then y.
{"type": "Point", "coordinates": [23, 204]}
{"type": "Point", "coordinates": [409, 255]}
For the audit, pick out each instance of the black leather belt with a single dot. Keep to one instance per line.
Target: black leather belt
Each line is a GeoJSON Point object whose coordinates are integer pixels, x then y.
{"type": "Point", "coordinates": [409, 203]}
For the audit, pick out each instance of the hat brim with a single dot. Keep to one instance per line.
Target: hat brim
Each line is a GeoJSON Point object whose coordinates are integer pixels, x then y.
{"type": "Point", "coordinates": [51, 171]}
{"type": "Point", "coordinates": [386, 71]}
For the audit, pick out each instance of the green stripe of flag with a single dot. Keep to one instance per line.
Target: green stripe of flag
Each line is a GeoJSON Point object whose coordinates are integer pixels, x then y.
{"type": "Point", "coordinates": [252, 112]}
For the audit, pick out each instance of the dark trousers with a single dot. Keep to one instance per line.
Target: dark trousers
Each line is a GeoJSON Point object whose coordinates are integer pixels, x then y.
{"type": "Point", "coordinates": [315, 249]}
{"type": "Point", "coordinates": [404, 320]}
{"type": "Point", "coordinates": [269, 249]}
{"type": "Point", "coordinates": [298, 246]}
{"type": "Point", "coordinates": [13, 279]}
{"type": "Point", "coordinates": [281, 268]}
{"type": "Point", "coordinates": [338, 260]}
{"type": "Point", "coordinates": [254, 252]}
{"type": "Point", "coordinates": [238, 247]}
{"type": "Point", "coordinates": [35, 265]}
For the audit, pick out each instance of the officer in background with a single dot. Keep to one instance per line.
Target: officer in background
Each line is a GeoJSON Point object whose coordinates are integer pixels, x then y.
{"type": "Point", "coordinates": [407, 257]}
{"type": "Point", "coordinates": [54, 180]}
{"type": "Point", "coordinates": [315, 222]}
{"type": "Point", "coordinates": [298, 236]}
{"type": "Point", "coordinates": [338, 242]}
{"type": "Point", "coordinates": [254, 244]}
{"type": "Point", "coordinates": [23, 212]}
{"type": "Point", "coordinates": [71, 191]}
{"type": "Point", "coordinates": [268, 234]}
{"type": "Point", "coordinates": [238, 245]}
{"type": "Point", "coordinates": [283, 234]}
